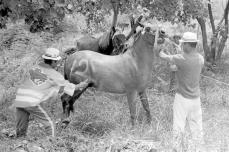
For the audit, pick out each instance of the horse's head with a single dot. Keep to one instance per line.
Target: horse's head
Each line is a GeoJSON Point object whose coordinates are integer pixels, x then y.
{"type": "Point", "coordinates": [150, 36]}
{"type": "Point", "coordinates": [118, 43]}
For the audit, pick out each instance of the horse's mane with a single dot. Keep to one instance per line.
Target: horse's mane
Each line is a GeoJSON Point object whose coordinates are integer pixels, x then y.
{"type": "Point", "coordinates": [105, 41]}
{"type": "Point", "coordinates": [135, 38]}
{"type": "Point", "coordinates": [130, 43]}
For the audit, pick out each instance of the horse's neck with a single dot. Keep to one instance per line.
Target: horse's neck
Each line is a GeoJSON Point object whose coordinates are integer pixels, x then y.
{"type": "Point", "coordinates": [142, 52]}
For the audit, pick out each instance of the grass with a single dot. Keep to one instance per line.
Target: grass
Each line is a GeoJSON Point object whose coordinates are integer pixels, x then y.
{"type": "Point", "coordinates": [101, 120]}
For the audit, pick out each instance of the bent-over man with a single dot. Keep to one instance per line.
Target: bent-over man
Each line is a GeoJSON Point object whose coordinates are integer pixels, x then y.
{"type": "Point", "coordinates": [41, 86]}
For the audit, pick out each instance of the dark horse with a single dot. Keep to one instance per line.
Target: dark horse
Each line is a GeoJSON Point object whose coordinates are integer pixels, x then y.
{"type": "Point", "coordinates": [127, 73]}
{"type": "Point", "coordinates": [102, 44]}
{"type": "Point", "coordinates": [109, 43]}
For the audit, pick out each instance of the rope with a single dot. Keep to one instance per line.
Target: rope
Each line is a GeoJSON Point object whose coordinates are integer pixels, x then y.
{"type": "Point", "coordinates": [218, 81]}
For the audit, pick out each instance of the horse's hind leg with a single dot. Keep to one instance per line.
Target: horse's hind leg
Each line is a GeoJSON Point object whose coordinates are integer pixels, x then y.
{"type": "Point", "coordinates": [68, 101]}
{"type": "Point", "coordinates": [145, 104]}
{"type": "Point", "coordinates": [131, 98]}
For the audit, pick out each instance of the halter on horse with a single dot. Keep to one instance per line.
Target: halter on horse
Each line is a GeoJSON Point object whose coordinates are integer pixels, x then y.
{"type": "Point", "coordinates": [127, 73]}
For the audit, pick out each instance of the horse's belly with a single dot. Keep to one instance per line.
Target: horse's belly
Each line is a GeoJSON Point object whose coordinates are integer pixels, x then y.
{"type": "Point", "coordinates": [110, 84]}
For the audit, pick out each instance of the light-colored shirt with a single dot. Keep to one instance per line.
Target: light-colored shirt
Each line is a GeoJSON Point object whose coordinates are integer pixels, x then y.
{"type": "Point", "coordinates": [189, 67]}
{"type": "Point", "coordinates": [42, 84]}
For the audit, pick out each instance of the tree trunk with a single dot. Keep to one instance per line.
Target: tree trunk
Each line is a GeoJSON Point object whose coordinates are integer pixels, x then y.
{"type": "Point", "coordinates": [215, 34]}
{"type": "Point", "coordinates": [223, 33]}
{"type": "Point", "coordinates": [207, 52]}
{"type": "Point", "coordinates": [115, 7]}
{"type": "Point", "coordinates": [211, 16]}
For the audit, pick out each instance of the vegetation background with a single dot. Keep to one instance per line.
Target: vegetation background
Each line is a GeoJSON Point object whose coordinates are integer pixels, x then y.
{"type": "Point", "coordinates": [101, 120]}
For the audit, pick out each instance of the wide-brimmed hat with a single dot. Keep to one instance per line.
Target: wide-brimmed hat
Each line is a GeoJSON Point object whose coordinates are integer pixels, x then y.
{"type": "Point", "coordinates": [189, 37]}
{"type": "Point", "coordinates": [52, 54]}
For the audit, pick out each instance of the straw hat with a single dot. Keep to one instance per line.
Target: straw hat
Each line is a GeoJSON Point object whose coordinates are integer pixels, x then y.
{"type": "Point", "coordinates": [52, 54]}
{"type": "Point", "coordinates": [189, 37]}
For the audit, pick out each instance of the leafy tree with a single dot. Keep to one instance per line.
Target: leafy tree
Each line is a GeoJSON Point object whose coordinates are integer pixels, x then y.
{"type": "Point", "coordinates": [183, 11]}
{"type": "Point", "coordinates": [46, 14]}
{"type": "Point", "coordinates": [220, 33]}
{"type": "Point", "coordinates": [39, 14]}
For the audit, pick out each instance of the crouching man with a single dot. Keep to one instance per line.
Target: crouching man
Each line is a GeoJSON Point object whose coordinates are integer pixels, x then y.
{"type": "Point", "coordinates": [41, 86]}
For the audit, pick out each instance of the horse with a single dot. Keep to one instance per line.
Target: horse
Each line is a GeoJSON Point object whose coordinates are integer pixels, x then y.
{"type": "Point", "coordinates": [120, 41]}
{"type": "Point", "coordinates": [102, 44]}
{"type": "Point", "coordinates": [127, 73]}
{"type": "Point", "coordinates": [110, 43]}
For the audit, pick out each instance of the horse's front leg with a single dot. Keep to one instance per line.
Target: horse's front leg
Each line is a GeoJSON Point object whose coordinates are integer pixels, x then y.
{"type": "Point", "coordinates": [145, 104]}
{"type": "Point", "coordinates": [131, 98]}
{"type": "Point", "coordinates": [65, 98]}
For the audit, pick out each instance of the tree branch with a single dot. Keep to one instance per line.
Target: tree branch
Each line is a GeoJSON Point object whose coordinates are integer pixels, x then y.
{"type": "Point", "coordinates": [204, 38]}
{"type": "Point", "coordinates": [211, 16]}
{"type": "Point", "coordinates": [115, 7]}
{"type": "Point", "coordinates": [224, 33]}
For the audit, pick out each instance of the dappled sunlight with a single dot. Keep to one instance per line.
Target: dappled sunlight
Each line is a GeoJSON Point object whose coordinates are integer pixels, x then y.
{"type": "Point", "coordinates": [101, 121]}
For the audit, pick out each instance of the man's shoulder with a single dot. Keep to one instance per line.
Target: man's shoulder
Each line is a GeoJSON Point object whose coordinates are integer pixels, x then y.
{"type": "Point", "coordinates": [37, 76]}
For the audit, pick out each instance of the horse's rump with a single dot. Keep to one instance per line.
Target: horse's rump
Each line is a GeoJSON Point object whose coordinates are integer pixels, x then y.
{"type": "Point", "coordinates": [111, 73]}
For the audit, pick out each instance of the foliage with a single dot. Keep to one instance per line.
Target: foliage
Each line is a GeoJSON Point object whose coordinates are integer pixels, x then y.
{"type": "Point", "coordinates": [39, 14]}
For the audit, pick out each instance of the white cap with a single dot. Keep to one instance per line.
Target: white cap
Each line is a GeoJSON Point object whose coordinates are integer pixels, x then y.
{"type": "Point", "coordinates": [52, 54]}
{"type": "Point", "coordinates": [189, 37]}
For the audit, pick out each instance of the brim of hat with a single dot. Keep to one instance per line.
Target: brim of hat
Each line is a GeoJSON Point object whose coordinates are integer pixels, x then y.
{"type": "Point", "coordinates": [50, 58]}
{"type": "Point", "coordinates": [182, 41]}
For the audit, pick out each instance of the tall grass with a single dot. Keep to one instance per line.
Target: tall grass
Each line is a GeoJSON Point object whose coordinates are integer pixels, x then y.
{"type": "Point", "coordinates": [101, 120]}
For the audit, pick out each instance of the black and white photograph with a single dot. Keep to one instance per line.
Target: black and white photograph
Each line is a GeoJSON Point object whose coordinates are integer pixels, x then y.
{"type": "Point", "coordinates": [114, 76]}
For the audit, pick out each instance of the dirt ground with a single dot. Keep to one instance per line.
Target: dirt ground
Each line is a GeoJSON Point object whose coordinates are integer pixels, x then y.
{"type": "Point", "coordinates": [101, 120]}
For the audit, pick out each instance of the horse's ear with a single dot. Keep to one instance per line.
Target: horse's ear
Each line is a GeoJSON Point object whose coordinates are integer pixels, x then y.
{"type": "Point", "coordinates": [112, 31]}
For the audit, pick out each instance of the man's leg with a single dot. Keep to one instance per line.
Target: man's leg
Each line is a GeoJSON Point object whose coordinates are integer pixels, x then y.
{"type": "Point", "coordinates": [39, 113]}
{"type": "Point", "coordinates": [22, 122]}
{"type": "Point", "coordinates": [195, 124]}
{"type": "Point", "coordinates": [180, 110]}
{"type": "Point", "coordinates": [172, 83]}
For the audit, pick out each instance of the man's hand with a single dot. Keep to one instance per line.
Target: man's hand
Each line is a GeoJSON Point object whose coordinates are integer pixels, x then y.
{"type": "Point", "coordinates": [173, 67]}
{"type": "Point", "coordinates": [82, 85]}
{"type": "Point", "coordinates": [162, 54]}
{"type": "Point", "coordinates": [165, 56]}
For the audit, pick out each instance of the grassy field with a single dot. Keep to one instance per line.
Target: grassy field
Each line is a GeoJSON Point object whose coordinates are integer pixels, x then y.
{"type": "Point", "coordinates": [101, 120]}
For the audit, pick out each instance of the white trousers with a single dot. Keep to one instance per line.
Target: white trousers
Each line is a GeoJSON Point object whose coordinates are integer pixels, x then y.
{"type": "Point", "coordinates": [187, 110]}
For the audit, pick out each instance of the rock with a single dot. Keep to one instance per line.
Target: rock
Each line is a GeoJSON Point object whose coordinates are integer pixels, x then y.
{"type": "Point", "coordinates": [34, 148]}
{"type": "Point", "coordinates": [2, 94]}
{"type": "Point", "coordinates": [153, 150]}
{"type": "Point", "coordinates": [8, 132]}
{"type": "Point", "coordinates": [20, 150]}
{"type": "Point", "coordinates": [4, 132]}
{"type": "Point", "coordinates": [25, 142]}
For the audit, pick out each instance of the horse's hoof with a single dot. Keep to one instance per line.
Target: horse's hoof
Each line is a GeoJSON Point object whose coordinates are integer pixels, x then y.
{"type": "Point", "coordinates": [65, 123]}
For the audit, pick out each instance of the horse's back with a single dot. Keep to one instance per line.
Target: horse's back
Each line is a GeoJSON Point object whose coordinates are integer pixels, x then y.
{"type": "Point", "coordinates": [87, 43]}
{"type": "Point", "coordinates": [109, 73]}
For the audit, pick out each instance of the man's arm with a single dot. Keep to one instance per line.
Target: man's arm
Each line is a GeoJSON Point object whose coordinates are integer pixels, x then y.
{"type": "Point", "coordinates": [69, 88]}
{"type": "Point", "coordinates": [170, 59]}
{"type": "Point", "coordinates": [165, 56]}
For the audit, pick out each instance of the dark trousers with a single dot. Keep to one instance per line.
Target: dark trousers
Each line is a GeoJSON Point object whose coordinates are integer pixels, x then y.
{"type": "Point", "coordinates": [22, 119]}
